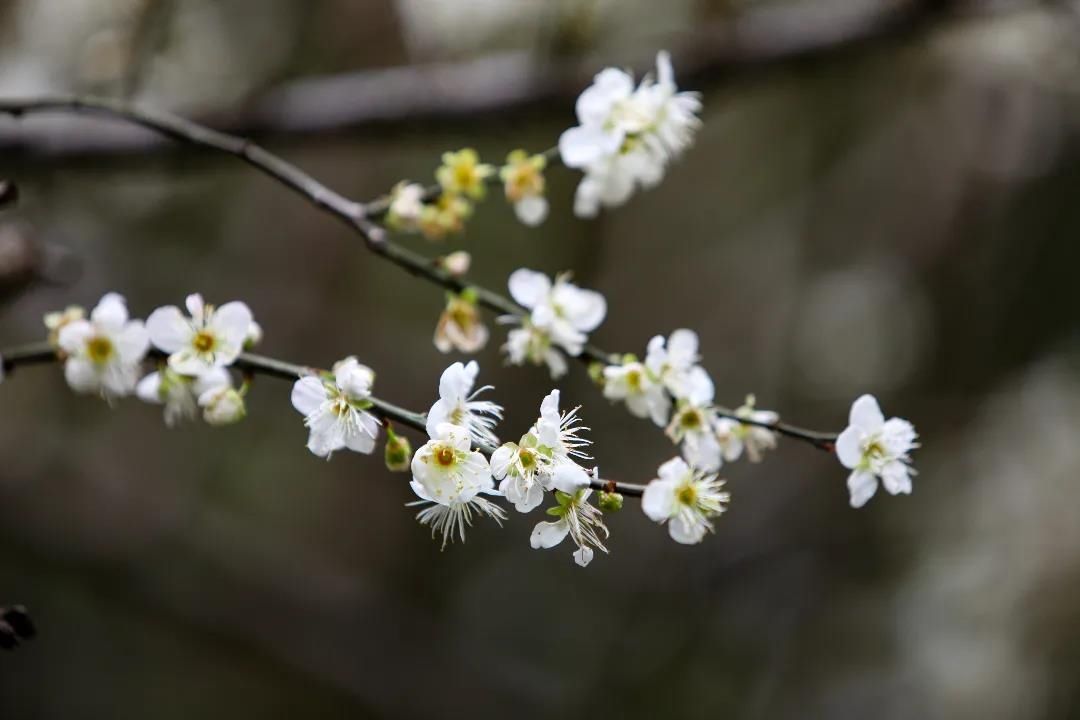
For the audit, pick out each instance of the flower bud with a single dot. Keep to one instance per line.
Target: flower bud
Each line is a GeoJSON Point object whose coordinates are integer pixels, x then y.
{"type": "Point", "coordinates": [222, 406]}
{"type": "Point", "coordinates": [456, 263]}
{"type": "Point", "coordinates": [398, 452]}
{"type": "Point", "coordinates": [610, 501]}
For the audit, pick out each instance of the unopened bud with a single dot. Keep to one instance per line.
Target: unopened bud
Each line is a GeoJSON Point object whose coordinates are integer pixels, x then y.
{"type": "Point", "coordinates": [457, 263]}
{"type": "Point", "coordinates": [398, 452]}
{"type": "Point", "coordinates": [610, 501]}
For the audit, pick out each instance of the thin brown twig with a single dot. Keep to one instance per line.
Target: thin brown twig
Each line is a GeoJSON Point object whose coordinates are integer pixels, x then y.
{"type": "Point", "coordinates": [42, 353]}
{"type": "Point", "coordinates": [355, 215]}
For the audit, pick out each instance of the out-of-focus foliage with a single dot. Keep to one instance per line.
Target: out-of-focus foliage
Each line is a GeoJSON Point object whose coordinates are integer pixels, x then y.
{"type": "Point", "coordinates": [896, 217]}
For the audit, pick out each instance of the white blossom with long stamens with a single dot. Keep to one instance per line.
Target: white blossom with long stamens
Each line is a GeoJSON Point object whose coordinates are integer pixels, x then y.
{"type": "Point", "coordinates": [686, 499]}
{"type": "Point", "coordinates": [335, 409]}
{"type": "Point", "coordinates": [211, 337]}
{"type": "Point", "coordinates": [457, 405]}
{"type": "Point", "coordinates": [104, 353]}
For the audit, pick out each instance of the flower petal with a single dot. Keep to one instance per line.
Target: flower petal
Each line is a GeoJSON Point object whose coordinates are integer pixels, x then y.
{"type": "Point", "coordinates": [529, 287]}
{"type": "Point", "coordinates": [548, 534]}
{"type": "Point", "coordinates": [849, 447]}
{"type": "Point", "coordinates": [308, 394]}
{"type": "Point", "coordinates": [866, 414]}
{"type": "Point", "coordinates": [168, 328]}
{"type": "Point", "coordinates": [862, 486]}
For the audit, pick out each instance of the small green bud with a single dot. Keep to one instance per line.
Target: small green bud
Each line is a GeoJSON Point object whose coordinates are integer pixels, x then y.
{"type": "Point", "coordinates": [610, 501]}
{"type": "Point", "coordinates": [629, 358]}
{"type": "Point", "coordinates": [398, 452]}
{"type": "Point", "coordinates": [596, 372]}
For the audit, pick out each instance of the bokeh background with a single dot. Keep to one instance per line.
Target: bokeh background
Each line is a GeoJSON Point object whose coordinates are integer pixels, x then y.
{"type": "Point", "coordinates": [883, 198]}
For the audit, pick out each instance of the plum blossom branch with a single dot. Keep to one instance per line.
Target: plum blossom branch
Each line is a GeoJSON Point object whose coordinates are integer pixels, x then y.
{"type": "Point", "coordinates": [42, 353]}
{"type": "Point", "coordinates": [356, 215]}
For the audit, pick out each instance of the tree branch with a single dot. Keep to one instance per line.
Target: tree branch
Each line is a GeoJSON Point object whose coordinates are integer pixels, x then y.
{"type": "Point", "coordinates": [42, 353]}
{"type": "Point", "coordinates": [756, 39]}
{"type": "Point", "coordinates": [355, 215]}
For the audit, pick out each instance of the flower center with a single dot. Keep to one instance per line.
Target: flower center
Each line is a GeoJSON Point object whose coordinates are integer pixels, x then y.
{"type": "Point", "coordinates": [633, 380]}
{"type": "Point", "coordinates": [528, 458]}
{"type": "Point", "coordinates": [204, 341]}
{"type": "Point", "coordinates": [687, 495]}
{"type": "Point", "coordinates": [690, 419]}
{"type": "Point", "coordinates": [444, 456]}
{"type": "Point", "coordinates": [99, 349]}
{"type": "Point", "coordinates": [875, 450]}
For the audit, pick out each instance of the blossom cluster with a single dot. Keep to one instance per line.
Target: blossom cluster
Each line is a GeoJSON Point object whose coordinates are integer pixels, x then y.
{"type": "Point", "coordinates": [462, 182]}
{"type": "Point", "coordinates": [103, 354]}
{"type": "Point", "coordinates": [626, 136]}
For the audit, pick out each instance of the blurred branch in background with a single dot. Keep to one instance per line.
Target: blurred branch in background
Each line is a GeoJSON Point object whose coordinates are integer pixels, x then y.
{"type": "Point", "coordinates": [754, 39]}
{"type": "Point", "coordinates": [15, 626]}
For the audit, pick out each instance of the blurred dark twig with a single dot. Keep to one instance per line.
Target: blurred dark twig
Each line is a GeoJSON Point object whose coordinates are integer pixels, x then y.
{"type": "Point", "coordinates": [15, 626]}
{"type": "Point", "coordinates": [752, 40]}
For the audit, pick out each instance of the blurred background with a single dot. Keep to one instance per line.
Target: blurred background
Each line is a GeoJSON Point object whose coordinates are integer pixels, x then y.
{"type": "Point", "coordinates": [883, 198]}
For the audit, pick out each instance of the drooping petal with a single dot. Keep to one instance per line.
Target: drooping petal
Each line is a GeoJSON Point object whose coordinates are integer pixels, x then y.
{"type": "Point", "coordinates": [168, 328]}
{"type": "Point", "coordinates": [685, 532]}
{"type": "Point", "coordinates": [456, 383]}
{"type": "Point", "coordinates": [702, 450]}
{"type": "Point", "coordinates": [866, 414]}
{"type": "Point", "coordinates": [862, 486]}
{"type": "Point", "coordinates": [528, 287]}
{"type": "Point", "coordinates": [548, 534]}
{"type": "Point", "coordinates": [583, 555]}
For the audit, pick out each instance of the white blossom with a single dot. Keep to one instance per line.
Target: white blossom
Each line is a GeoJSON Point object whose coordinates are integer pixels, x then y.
{"type": "Point", "coordinates": [104, 353]}
{"type": "Point", "coordinates": [693, 426]}
{"type": "Point", "coordinates": [675, 363]}
{"type": "Point", "coordinates": [626, 136]}
{"type": "Point", "coordinates": [544, 459]}
{"type": "Point", "coordinates": [335, 409]}
{"type": "Point", "coordinates": [874, 449]}
{"type": "Point", "coordinates": [406, 206]}
{"type": "Point", "coordinates": [686, 499]}
{"type": "Point", "coordinates": [559, 431]}
{"type": "Point", "coordinates": [179, 393]}
{"type": "Point", "coordinates": [457, 405]}
{"type": "Point", "coordinates": [210, 337]}
{"type": "Point", "coordinates": [222, 405]}
{"type": "Point", "coordinates": [583, 522]}
{"type": "Point", "coordinates": [564, 311]}
{"type": "Point", "coordinates": [448, 477]}
{"type": "Point", "coordinates": [641, 390]}
{"type": "Point", "coordinates": [533, 345]}
{"type": "Point", "coordinates": [735, 436]}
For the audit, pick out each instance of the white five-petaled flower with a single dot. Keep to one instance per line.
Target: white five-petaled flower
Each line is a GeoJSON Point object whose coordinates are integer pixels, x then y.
{"type": "Point", "coordinates": [693, 425]}
{"type": "Point", "coordinates": [640, 389]}
{"type": "Point", "coordinates": [735, 436]}
{"type": "Point", "coordinates": [210, 337]}
{"type": "Point", "coordinates": [179, 393]}
{"type": "Point", "coordinates": [583, 522]}
{"type": "Point", "coordinates": [675, 362]}
{"type": "Point", "coordinates": [559, 431]}
{"type": "Point", "coordinates": [874, 448]}
{"type": "Point", "coordinates": [104, 353]}
{"type": "Point", "coordinates": [564, 311]}
{"type": "Point", "coordinates": [544, 459]}
{"type": "Point", "coordinates": [457, 405]}
{"type": "Point", "coordinates": [529, 343]}
{"type": "Point", "coordinates": [335, 409]}
{"type": "Point", "coordinates": [449, 477]}
{"type": "Point", "coordinates": [686, 498]}
{"type": "Point", "coordinates": [626, 136]}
